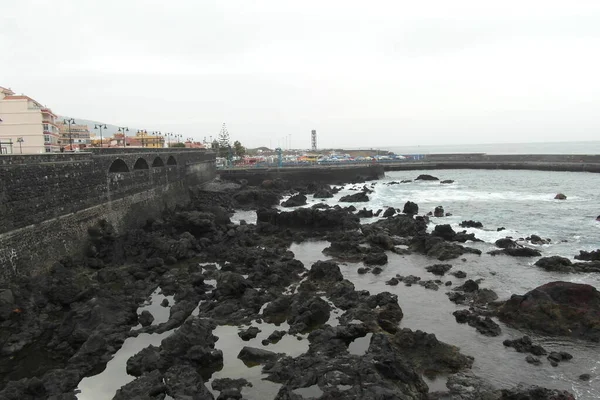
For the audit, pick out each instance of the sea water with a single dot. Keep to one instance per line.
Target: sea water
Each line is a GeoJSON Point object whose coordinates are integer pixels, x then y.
{"type": "Point", "coordinates": [523, 203]}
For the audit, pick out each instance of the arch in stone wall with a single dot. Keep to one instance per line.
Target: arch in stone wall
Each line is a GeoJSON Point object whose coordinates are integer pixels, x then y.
{"type": "Point", "coordinates": [118, 166]}
{"type": "Point", "coordinates": [171, 161]}
{"type": "Point", "coordinates": [158, 162]}
{"type": "Point", "coordinates": [141, 163]}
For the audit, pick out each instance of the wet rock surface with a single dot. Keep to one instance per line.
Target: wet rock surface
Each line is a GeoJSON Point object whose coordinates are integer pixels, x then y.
{"type": "Point", "coordinates": [562, 264]}
{"type": "Point", "coordinates": [467, 386]}
{"type": "Point", "coordinates": [426, 177]}
{"type": "Point", "coordinates": [295, 201]}
{"type": "Point", "coordinates": [484, 325]}
{"type": "Point", "coordinates": [575, 310]}
{"type": "Point", "coordinates": [76, 317]}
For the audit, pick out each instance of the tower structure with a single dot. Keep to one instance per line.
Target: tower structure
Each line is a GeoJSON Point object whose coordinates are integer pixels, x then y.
{"type": "Point", "coordinates": [313, 140]}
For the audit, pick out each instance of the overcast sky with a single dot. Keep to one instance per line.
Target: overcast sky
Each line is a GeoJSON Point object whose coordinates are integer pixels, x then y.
{"type": "Point", "coordinates": [377, 73]}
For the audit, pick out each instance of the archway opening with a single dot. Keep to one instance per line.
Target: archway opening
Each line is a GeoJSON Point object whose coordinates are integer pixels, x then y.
{"type": "Point", "coordinates": [140, 164]}
{"type": "Point", "coordinates": [171, 161]}
{"type": "Point", "coordinates": [118, 166]}
{"type": "Point", "coordinates": [158, 162]}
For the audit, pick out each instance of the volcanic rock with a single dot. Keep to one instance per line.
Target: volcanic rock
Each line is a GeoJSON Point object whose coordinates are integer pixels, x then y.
{"type": "Point", "coordinates": [459, 274]}
{"type": "Point", "coordinates": [425, 177]}
{"type": "Point", "coordinates": [484, 325]}
{"type": "Point", "coordinates": [469, 286]}
{"type": "Point", "coordinates": [390, 211]}
{"type": "Point", "coordinates": [392, 282]}
{"type": "Point", "coordinates": [410, 208]}
{"type": "Point", "coordinates": [447, 181]}
{"type": "Point", "coordinates": [560, 196]}
{"type": "Point", "coordinates": [323, 194]}
{"type": "Point", "coordinates": [309, 218]}
{"type": "Point", "coordinates": [398, 225]}
{"type": "Point", "coordinates": [506, 243]}
{"type": "Point", "coordinates": [437, 247]}
{"type": "Point", "coordinates": [376, 259]}
{"type": "Point", "coordinates": [249, 333]}
{"type": "Point", "coordinates": [253, 356]}
{"type": "Point", "coordinates": [556, 308]}
{"type": "Point", "coordinates": [327, 271]}
{"type": "Point", "coordinates": [535, 239]}
{"type": "Point", "coordinates": [439, 269]}
{"type": "Point", "coordinates": [533, 360]}
{"type": "Point", "coordinates": [364, 213]}
{"type": "Point", "coordinates": [522, 392]}
{"type": "Point", "coordinates": [427, 353]}
{"type": "Point", "coordinates": [588, 255]}
{"type": "Point", "coordinates": [256, 198]}
{"type": "Point", "coordinates": [355, 198]}
{"type": "Point", "coordinates": [438, 212]}
{"type": "Point", "coordinates": [444, 231]}
{"type": "Point", "coordinates": [471, 224]}
{"type": "Point", "coordinates": [295, 201]}
{"type": "Point", "coordinates": [145, 318]}
{"type": "Point", "coordinates": [525, 345]}
{"type": "Point", "coordinates": [520, 251]}
{"type": "Point", "coordinates": [555, 263]}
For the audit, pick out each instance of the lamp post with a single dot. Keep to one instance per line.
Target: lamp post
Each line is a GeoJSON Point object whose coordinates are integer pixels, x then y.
{"type": "Point", "coordinates": [178, 137]}
{"type": "Point", "coordinates": [168, 135]}
{"type": "Point", "coordinates": [142, 132]}
{"type": "Point", "coordinates": [100, 127]}
{"type": "Point", "coordinates": [157, 133]}
{"type": "Point", "coordinates": [69, 122]}
{"type": "Point", "coordinates": [20, 141]}
{"type": "Point", "coordinates": [123, 129]}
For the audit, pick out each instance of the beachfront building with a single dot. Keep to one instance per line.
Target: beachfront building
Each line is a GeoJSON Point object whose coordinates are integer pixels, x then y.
{"type": "Point", "coordinates": [97, 141]}
{"type": "Point", "coordinates": [191, 144]}
{"type": "Point", "coordinates": [26, 126]}
{"type": "Point", "coordinates": [74, 137]}
{"type": "Point", "coordinates": [148, 139]}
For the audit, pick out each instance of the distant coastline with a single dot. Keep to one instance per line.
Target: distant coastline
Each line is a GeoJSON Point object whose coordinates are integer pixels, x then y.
{"type": "Point", "coordinates": [588, 147]}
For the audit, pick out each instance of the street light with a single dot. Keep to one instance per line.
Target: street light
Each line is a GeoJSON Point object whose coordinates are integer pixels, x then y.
{"type": "Point", "coordinates": [100, 127]}
{"type": "Point", "coordinates": [155, 141]}
{"type": "Point", "coordinates": [142, 132]}
{"type": "Point", "coordinates": [123, 129]}
{"type": "Point", "coordinates": [69, 121]}
{"type": "Point", "coordinates": [20, 141]}
{"type": "Point", "coordinates": [168, 135]}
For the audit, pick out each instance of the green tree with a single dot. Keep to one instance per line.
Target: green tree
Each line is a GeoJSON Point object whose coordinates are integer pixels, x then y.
{"type": "Point", "coordinates": [177, 145]}
{"type": "Point", "coordinates": [215, 145]}
{"type": "Point", "coordinates": [239, 150]}
{"type": "Point", "coordinates": [224, 144]}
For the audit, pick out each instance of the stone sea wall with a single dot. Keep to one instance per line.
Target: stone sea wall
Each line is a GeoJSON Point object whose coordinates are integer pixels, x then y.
{"type": "Point", "coordinates": [47, 202]}
{"type": "Point", "coordinates": [322, 174]}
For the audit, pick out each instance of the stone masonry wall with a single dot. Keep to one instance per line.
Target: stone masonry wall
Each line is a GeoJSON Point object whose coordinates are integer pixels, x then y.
{"type": "Point", "coordinates": [48, 203]}
{"type": "Point", "coordinates": [42, 187]}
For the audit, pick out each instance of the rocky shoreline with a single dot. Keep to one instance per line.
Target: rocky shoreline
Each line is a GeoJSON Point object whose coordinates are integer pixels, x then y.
{"type": "Point", "coordinates": [65, 325]}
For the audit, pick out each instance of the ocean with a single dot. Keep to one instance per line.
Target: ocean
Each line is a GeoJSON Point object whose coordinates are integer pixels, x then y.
{"type": "Point", "coordinates": [523, 203]}
{"type": "Point", "coordinates": [588, 147]}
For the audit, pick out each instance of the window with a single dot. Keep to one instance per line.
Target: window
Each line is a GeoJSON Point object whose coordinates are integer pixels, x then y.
{"type": "Point", "coordinates": [47, 149]}
{"type": "Point", "coordinates": [46, 128]}
{"type": "Point", "coordinates": [47, 138]}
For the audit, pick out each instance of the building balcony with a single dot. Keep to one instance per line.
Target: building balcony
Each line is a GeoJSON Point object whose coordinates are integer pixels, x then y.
{"type": "Point", "coordinates": [47, 111]}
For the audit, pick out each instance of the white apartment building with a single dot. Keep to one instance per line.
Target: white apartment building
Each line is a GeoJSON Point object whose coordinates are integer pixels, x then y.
{"type": "Point", "coordinates": [26, 126]}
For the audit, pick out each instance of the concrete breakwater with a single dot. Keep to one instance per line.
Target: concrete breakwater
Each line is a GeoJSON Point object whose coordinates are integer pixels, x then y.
{"type": "Point", "coordinates": [541, 162]}
{"type": "Point", "coordinates": [48, 201]}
